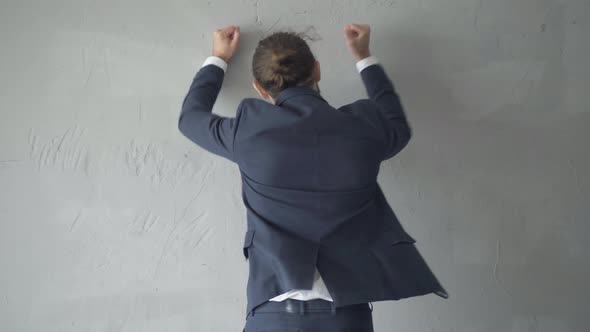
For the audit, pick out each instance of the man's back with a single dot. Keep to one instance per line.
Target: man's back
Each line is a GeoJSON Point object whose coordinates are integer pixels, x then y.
{"type": "Point", "coordinates": [307, 144]}
{"type": "Point", "coordinates": [309, 183]}
{"type": "Point", "coordinates": [309, 187]}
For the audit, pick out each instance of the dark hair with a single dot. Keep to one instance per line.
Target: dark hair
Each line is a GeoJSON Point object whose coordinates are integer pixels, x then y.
{"type": "Point", "coordinates": [283, 60]}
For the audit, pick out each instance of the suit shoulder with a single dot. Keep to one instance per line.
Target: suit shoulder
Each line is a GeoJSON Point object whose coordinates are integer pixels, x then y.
{"type": "Point", "coordinates": [256, 106]}
{"type": "Point", "coordinates": [251, 101]}
{"type": "Point", "coordinates": [365, 110]}
{"type": "Point", "coordinates": [357, 105]}
{"type": "Point", "coordinates": [244, 103]}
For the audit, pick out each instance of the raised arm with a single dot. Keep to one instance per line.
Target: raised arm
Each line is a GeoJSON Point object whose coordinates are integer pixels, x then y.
{"type": "Point", "coordinates": [196, 122]}
{"type": "Point", "coordinates": [379, 89]}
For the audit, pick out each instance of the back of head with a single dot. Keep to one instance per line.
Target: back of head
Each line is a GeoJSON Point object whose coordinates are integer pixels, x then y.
{"type": "Point", "coordinates": [282, 60]}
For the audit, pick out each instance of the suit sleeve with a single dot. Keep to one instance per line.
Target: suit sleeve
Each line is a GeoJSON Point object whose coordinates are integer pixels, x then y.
{"type": "Point", "coordinates": [211, 132]}
{"type": "Point", "coordinates": [381, 92]}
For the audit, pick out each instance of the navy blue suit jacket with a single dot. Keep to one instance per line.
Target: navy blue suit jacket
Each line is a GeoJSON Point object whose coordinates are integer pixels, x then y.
{"type": "Point", "coordinates": [309, 185]}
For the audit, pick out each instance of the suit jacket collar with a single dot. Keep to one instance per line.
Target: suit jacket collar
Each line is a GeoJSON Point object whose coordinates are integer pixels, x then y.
{"type": "Point", "coordinates": [296, 91]}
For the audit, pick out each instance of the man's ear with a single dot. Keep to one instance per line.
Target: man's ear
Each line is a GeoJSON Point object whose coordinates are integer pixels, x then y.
{"type": "Point", "coordinates": [261, 92]}
{"type": "Point", "coordinates": [317, 75]}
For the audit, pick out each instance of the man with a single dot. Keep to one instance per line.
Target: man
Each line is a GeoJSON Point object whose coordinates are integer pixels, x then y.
{"type": "Point", "coordinates": [321, 240]}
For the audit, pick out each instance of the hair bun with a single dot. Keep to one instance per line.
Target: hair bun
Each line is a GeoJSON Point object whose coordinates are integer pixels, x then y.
{"type": "Point", "coordinates": [281, 60]}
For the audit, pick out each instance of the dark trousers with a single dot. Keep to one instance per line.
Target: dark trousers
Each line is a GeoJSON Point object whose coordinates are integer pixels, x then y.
{"type": "Point", "coordinates": [315, 315]}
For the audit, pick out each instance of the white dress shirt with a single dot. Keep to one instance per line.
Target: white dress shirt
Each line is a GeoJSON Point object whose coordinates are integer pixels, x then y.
{"type": "Point", "coordinates": [318, 290]}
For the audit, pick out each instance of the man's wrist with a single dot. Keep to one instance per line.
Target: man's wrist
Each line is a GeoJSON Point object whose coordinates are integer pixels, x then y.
{"type": "Point", "coordinates": [217, 61]}
{"type": "Point", "coordinates": [222, 57]}
{"type": "Point", "coordinates": [363, 56]}
{"type": "Point", "coordinates": [366, 62]}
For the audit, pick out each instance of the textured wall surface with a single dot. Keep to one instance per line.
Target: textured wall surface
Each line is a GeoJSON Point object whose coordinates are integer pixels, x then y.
{"type": "Point", "coordinates": [110, 220]}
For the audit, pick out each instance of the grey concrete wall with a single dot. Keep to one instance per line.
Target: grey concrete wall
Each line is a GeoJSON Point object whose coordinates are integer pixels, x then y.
{"type": "Point", "coordinates": [110, 220]}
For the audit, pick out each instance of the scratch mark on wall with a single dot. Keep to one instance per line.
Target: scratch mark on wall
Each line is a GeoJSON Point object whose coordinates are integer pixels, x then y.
{"type": "Point", "coordinates": [312, 33]}
{"type": "Point", "coordinates": [496, 268]}
{"type": "Point", "coordinates": [32, 141]}
{"type": "Point", "coordinates": [150, 222]}
{"type": "Point", "coordinates": [164, 250]}
{"type": "Point", "coordinates": [67, 152]}
{"type": "Point", "coordinates": [336, 9]}
{"type": "Point", "coordinates": [190, 228]}
{"type": "Point", "coordinates": [139, 157]}
{"type": "Point", "coordinates": [477, 12]}
{"type": "Point", "coordinates": [140, 111]}
{"type": "Point", "coordinates": [88, 78]}
{"type": "Point", "coordinates": [163, 171]}
{"type": "Point", "coordinates": [548, 11]}
{"type": "Point", "coordinates": [75, 221]}
{"type": "Point", "coordinates": [134, 156]}
{"type": "Point", "coordinates": [201, 215]}
{"type": "Point", "coordinates": [105, 260]}
{"type": "Point", "coordinates": [256, 5]}
{"type": "Point", "coordinates": [272, 26]}
{"type": "Point", "coordinates": [144, 222]}
{"type": "Point", "coordinates": [576, 177]}
{"type": "Point", "coordinates": [81, 154]}
{"type": "Point", "coordinates": [43, 158]}
{"type": "Point", "coordinates": [178, 171]}
{"type": "Point", "coordinates": [203, 236]}
{"type": "Point", "coordinates": [147, 160]}
{"type": "Point", "coordinates": [64, 152]}
{"type": "Point", "coordinates": [63, 137]}
{"type": "Point", "coordinates": [176, 222]}
{"type": "Point", "coordinates": [77, 154]}
{"type": "Point", "coordinates": [159, 262]}
{"type": "Point", "coordinates": [100, 265]}
{"type": "Point", "coordinates": [203, 184]}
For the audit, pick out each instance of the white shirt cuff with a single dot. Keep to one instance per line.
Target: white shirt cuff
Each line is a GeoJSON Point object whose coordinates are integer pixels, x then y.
{"type": "Point", "coordinates": [214, 60]}
{"type": "Point", "coordinates": [366, 62]}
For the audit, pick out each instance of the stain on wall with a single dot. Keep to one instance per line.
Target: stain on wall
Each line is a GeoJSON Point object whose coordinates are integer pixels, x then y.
{"type": "Point", "coordinates": [110, 220]}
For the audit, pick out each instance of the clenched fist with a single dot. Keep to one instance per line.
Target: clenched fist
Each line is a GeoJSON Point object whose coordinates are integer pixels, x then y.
{"type": "Point", "coordinates": [357, 39]}
{"type": "Point", "coordinates": [225, 42]}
